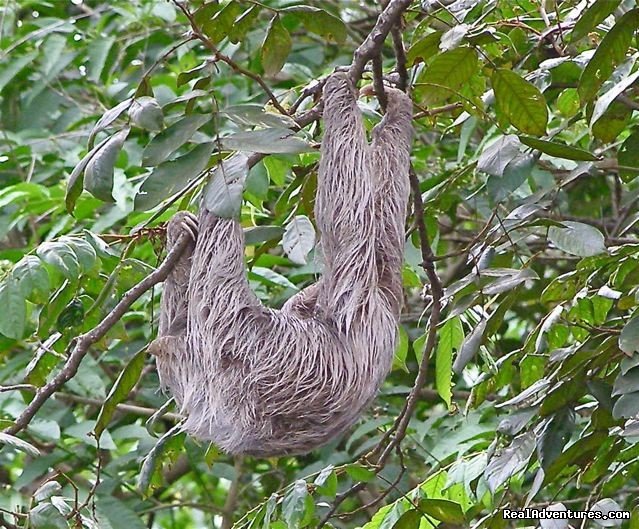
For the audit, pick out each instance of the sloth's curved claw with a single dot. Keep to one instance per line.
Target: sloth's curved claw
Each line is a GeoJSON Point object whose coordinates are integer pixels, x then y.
{"type": "Point", "coordinates": [182, 221]}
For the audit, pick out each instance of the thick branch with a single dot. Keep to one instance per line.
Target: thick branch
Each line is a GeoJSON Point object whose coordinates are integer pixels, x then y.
{"type": "Point", "coordinates": [373, 43]}
{"type": "Point", "coordinates": [82, 343]}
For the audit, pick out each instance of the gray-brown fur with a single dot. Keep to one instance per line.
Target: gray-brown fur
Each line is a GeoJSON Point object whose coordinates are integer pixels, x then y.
{"type": "Point", "coordinates": [271, 382]}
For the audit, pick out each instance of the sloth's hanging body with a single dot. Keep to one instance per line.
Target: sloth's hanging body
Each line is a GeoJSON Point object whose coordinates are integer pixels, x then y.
{"type": "Point", "coordinates": [267, 382]}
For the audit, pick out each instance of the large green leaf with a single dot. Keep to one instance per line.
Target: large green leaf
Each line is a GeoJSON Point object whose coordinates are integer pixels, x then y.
{"type": "Point", "coordinates": [629, 337]}
{"type": "Point", "coordinates": [591, 17]}
{"type": "Point", "coordinates": [520, 102]}
{"type": "Point", "coordinates": [628, 158]}
{"type": "Point", "coordinates": [220, 25]}
{"type": "Point", "coordinates": [511, 460]}
{"type": "Point", "coordinates": [423, 49]}
{"type": "Point", "coordinates": [298, 239]}
{"type": "Point", "coordinates": [558, 150]}
{"type": "Point", "coordinates": [266, 141]}
{"type": "Point", "coordinates": [146, 112]}
{"type": "Point", "coordinates": [32, 278]}
{"type": "Point", "coordinates": [223, 194]}
{"type": "Point", "coordinates": [171, 139]}
{"type": "Point", "coordinates": [276, 47]}
{"type": "Point", "coordinates": [120, 391]}
{"type": "Point", "coordinates": [610, 52]}
{"type": "Point", "coordinates": [577, 238]}
{"type": "Point", "coordinates": [98, 175]}
{"type": "Point", "coordinates": [321, 22]}
{"type": "Point", "coordinates": [173, 176]}
{"type": "Point", "coordinates": [450, 336]}
{"type": "Point", "coordinates": [446, 74]}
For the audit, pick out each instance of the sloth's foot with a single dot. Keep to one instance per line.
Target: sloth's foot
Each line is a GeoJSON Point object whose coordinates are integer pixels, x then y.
{"type": "Point", "coordinates": [182, 221]}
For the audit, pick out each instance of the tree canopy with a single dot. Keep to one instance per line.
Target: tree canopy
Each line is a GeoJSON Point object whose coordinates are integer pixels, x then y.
{"type": "Point", "coordinates": [516, 375]}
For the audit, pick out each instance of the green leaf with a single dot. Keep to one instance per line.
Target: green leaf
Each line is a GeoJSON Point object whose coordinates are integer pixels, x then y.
{"type": "Point", "coordinates": [45, 491]}
{"type": "Point", "coordinates": [32, 278]}
{"type": "Point", "coordinates": [298, 239]}
{"type": "Point", "coordinates": [261, 234]}
{"type": "Point", "coordinates": [71, 316]}
{"type": "Point", "coordinates": [555, 436]}
{"type": "Point", "coordinates": [98, 54]}
{"type": "Point", "coordinates": [46, 516]}
{"type": "Point", "coordinates": [509, 461]}
{"type": "Point", "coordinates": [266, 141]}
{"type": "Point", "coordinates": [16, 442]}
{"type": "Point", "coordinates": [470, 346]}
{"type": "Point", "coordinates": [243, 24]}
{"type": "Point", "coordinates": [629, 337]}
{"type": "Point", "coordinates": [401, 350]}
{"type": "Point", "coordinates": [223, 193]}
{"type": "Point", "coordinates": [145, 112]}
{"type": "Point", "coordinates": [75, 184]}
{"type": "Point", "coordinates": [446, 74]}
{"type": "Point", "coordinates": [221, 24]}
{"type": "Point", "coordinates": [152, 462]}
{"type": "Point", "coordinates": [520, 102]}
{"type": "Point", "coordinates": [14, 67]}
{"type": "Point", "coordinates": [409, 520]}
{"type": "Point", "coordinates": [320, 22]}
{"type": "Point", "coordinates": [125, 382]}
{"type": "Point", "coordinates": [626, 406]}
{"type": "Point", "coordinates": [424, 48]}
{"type": "Point", "coordinates": [515, 174]}
{"type": "Point", "coordinates": [276, 47]}
{"type": "Point", "coordinates": [577, 238]}
{"type": "Point", "coordinates": [98, 175]}
{"type": "Point", "coordinates": [254, 115]}
{"type": "Point", "coordinates": [326, 482]}
{"type": "Point", "coordinates": [591, 17]}
{"type": "Point", "coordinates": [628, 158]}
{"type": "Point", "coordinates": [610, 52]}
{"type": "Point", "coordinates": [443, 510]}
{"type": "Point", "coordinates": [568, 102]}
{"type": "Point", "coordinates": [172, 177]}
{"type": "Point", "coordinates": [451, 336]}
{"type": "Point", "coordinates": [108, 118]}
{"type": "Point", "coordinates": [359, 472]}
{"type": "Point", "coordinates": [84, 252]}
{"type": "Point", "coordinates": [172, 138]}
{"type": "Point", "coordinates": [114, 513]}
{"type": "Point", "coordinates": [558, 150]}
{"type": "Point", "coordinates": [61, 256]}
{"type": "Point", "coordinates": [294, 505]}
{"type": "Point", "coordinates": [626, 383]}
{"type": "Point", "coordinates": [453, 37]}
{"type": "Point", "coordinates": [611, 94]}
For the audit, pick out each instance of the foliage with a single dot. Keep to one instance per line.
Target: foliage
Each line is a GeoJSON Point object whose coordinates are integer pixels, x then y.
{"type": "Point", "coordinates": [115, 114]}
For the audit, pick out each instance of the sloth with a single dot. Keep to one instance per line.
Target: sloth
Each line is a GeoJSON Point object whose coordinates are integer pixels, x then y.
{"type": "Point", "coordinates": [266, 382]}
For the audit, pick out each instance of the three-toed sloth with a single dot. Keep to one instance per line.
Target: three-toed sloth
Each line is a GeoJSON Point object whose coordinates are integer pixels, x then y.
{"type": "Point", "coordinates": [264, 382]}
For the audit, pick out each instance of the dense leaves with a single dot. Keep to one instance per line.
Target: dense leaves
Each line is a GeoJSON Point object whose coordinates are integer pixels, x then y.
{"type": "Point", "coordinates": [115, 115]}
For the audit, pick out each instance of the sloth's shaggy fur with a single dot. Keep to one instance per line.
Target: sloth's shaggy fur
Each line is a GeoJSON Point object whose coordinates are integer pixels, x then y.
{"type": "Point", "coordinates": [268, 382]}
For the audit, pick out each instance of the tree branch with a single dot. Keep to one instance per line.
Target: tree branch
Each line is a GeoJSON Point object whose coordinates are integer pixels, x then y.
{"type": "Point", "coordinates": [373, 43]}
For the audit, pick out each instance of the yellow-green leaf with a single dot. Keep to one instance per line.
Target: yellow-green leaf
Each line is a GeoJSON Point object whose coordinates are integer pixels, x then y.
{"type": "Point", "coordinates": [610, 52]}
{"type": "Point", "coordinates": [520, 102]}
{"type": "Point", "coordinates": [276, 47]}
